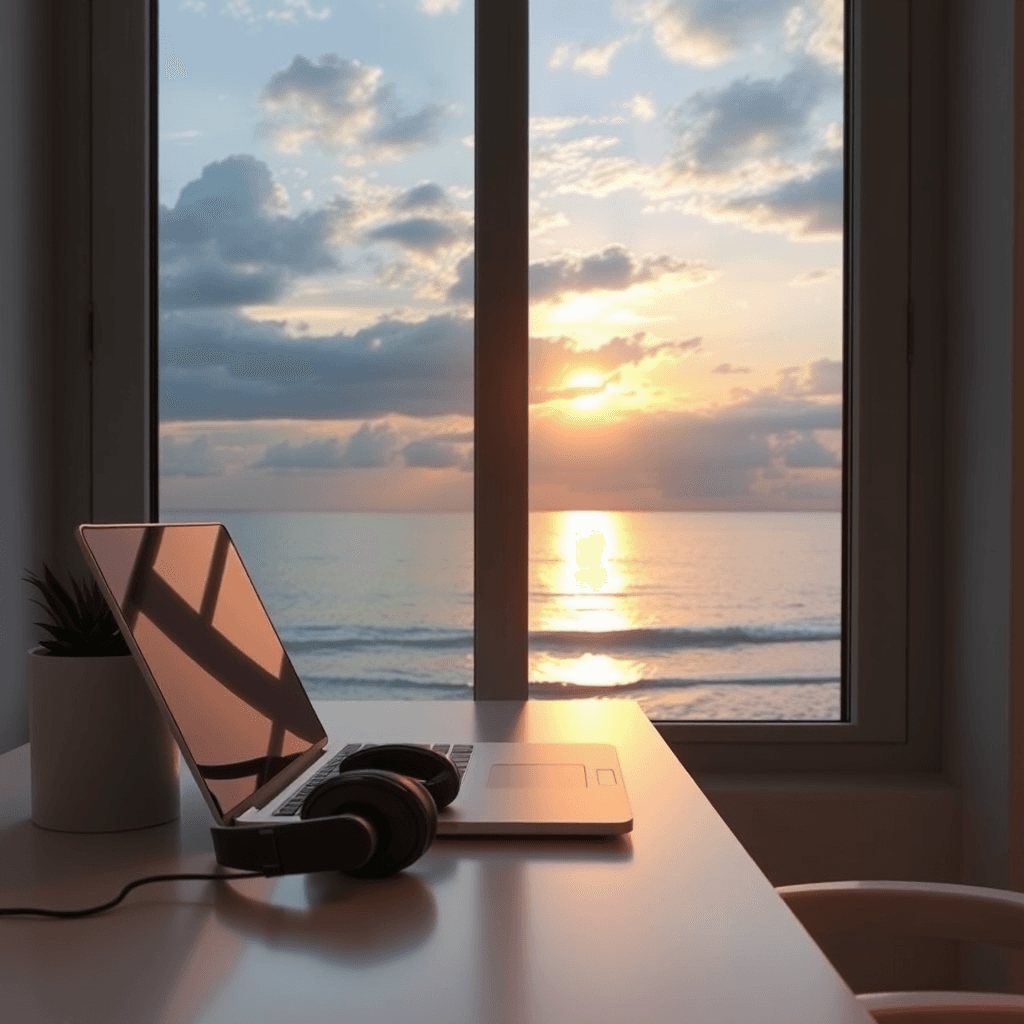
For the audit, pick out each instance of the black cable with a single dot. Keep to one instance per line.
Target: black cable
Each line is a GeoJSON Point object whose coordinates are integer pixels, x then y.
{"type": "Point", "coordinates": [86, 912]}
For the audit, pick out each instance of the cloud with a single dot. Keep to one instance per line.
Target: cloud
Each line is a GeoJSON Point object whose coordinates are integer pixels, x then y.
{"type": "Point", "coordinates": [555, 362]}
{"type": "Point", "coordinates": [437, 453]}
{"type": "Point", "coordinates": [341, 106]}
{"type": "Point", "coordinates": [424, 196]}
{"type": "Point", "coordinates": [550, 124]}
{"type": "Point", "coordinates": [824, 377]}
{"type": "Point", "coordinates": [421, 234]}
{"type": "Point", "coordinates": [291, 8]}
{"type": "Point", "coordinates": [803, 451]}
{"type": "Point", "coordinates": [754, 453]}
{"type": "Point", "coordinates": [707, 33]}
{"type": "Point", "coordinates": [757, 152]}
{"type": "Point", "coordinates": [324, 454]}
{"type": "Point", "coordinates": [461, 291]}
{"type": "Point", "coordinates": [613, 268]}
{"type": "Point", "coordinates": [749, 119]}
{"type": "Point", "coordinates": [818, 31]}
{"type": "Point", "coordinates": [224, 366]}
{"type": "Point", "coordinates": [817, 276]}
{"type": "Point", "coordinates": [592, 59]}
{"type": "Point", "coordinates": [242, 10]}
{"type": "Point", "coordinates": [227, 241]}
{"type": "Point", "coordinates": [435, 7]}
{"type": "Point", "coordinates": [188, 458]}
{"type": "Point", "coordinates": [806, 207]}
{"type": "Point", "coordinates": [641, 106]}
{"type": "Point", "coordinates": [371, 446]}
{"type": "Point", "coordinates": [729, 368]}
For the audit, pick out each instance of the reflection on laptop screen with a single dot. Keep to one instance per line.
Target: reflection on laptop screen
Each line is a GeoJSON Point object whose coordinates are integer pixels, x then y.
{"type": "Point", "coordinates": [211, 649]}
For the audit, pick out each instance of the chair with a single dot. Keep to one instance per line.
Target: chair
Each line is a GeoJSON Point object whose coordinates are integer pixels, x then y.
{"type": "Point", "coordinates": [924, 909]}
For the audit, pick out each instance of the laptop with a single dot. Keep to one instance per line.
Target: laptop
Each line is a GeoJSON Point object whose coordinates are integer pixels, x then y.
{"type": "Point", "coordinates": [246, 728]}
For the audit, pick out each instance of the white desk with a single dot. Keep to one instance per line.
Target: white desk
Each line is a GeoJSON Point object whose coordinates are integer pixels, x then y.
{"type": "Point", "coordinates": [673, 923]}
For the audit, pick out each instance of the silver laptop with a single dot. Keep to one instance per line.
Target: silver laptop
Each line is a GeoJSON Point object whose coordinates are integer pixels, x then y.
{"type": "Point", "coordinates": [245, 725]}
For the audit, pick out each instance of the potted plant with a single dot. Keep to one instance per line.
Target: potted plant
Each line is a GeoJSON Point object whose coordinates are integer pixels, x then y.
{"type": "Point", "coordinates": [102, 757]}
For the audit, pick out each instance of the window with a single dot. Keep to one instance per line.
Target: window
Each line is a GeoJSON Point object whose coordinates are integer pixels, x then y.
{"type": "Point", "coordinates": [887, 403]}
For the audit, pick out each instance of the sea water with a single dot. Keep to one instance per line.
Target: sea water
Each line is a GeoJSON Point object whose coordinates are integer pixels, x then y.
{"type": "Point", "coordinates": [696, 615]}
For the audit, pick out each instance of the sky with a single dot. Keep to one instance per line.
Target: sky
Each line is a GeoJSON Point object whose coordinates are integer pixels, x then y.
{"type": "Point", "coordinates": [316, 237]}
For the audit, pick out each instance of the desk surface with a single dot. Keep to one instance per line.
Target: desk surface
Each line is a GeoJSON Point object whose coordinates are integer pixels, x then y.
{"type": "Point", "coordinates": [671, 923]}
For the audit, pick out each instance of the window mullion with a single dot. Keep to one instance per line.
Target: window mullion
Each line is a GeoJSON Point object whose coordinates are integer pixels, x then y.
{"type": "Point", "coordinates": [501, 529]}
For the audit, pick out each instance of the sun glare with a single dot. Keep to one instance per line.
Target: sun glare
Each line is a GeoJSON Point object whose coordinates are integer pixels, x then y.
{"type": "Point", "coordinates": [587, 670]}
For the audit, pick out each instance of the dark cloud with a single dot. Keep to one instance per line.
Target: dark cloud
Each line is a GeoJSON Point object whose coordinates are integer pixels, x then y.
{"type": "Point", "coordinates": [208, 282]}
{"type": "Point", "coordinates": [823, 377]}
{"type": "Point", "coordinates": [436, 453]}
{"type": "Point", "coordinates": [734, 456]}
{"type": "Point", "coordinates": [729, 368]}
{"type": "Point", "coordinates": [614, 268]}
{"type": "Point", "coordinates": [421, 234]}
{"type": "Point", "coordinates": [370, 447]}
{"type": "Point", "coordinates": [339, 105]}
{"type": "Point", "coordinates": [807, 207]}
{"type": "Point", "coordinates": [422, 196]}
{"type": "Point", "coordinates": [804, 451]}
{"type": "Point", "coordinates": [405, 132]}
{"type": "Point", "coordinates": [188, 458]}
{"type": "Point", "coordinates": [749, 119]}
{"type": "Point", "coordinates": [223, 366]}
{"type": "Point", "coordinates": [226, 243]}
{"type": "Point", "coordinates": [323, 454]}
{"type": "Point", "coordinates": [461, 291]}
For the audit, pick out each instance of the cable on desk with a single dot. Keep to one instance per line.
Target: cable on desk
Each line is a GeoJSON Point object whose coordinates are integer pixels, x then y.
{"type": "Point", "coordinates": [87, 911]}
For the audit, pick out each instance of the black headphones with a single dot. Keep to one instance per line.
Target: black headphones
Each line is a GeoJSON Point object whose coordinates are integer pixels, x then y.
{"type": "Point", "coordinates": [374, 818]}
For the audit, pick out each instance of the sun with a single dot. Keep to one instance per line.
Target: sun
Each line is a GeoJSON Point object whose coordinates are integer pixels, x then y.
{"type": "Point", "coordinates": [591, 399]}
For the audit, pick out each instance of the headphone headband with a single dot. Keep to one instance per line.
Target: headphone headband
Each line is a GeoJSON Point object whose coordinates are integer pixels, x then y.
{"type": "Point", "coordinates": [373, 818]}
{"type": "Point", "coordinates": [344, 842]}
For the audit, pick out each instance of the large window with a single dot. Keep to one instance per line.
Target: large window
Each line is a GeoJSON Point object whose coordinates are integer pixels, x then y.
{"type": "Point", "coordinates": [878, 652]}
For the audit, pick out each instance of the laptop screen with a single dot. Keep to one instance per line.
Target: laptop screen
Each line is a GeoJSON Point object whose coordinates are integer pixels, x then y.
{"type": "Point", "coordinates": [210, 648]}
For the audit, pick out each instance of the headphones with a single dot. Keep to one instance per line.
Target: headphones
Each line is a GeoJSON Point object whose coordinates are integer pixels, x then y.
{"type": "Point", "coordinates": [371, 820]}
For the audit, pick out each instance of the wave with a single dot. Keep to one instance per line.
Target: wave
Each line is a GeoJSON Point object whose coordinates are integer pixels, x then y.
{"type": "Point", "coordinates": [571, 689]}
{"type": "Point", "coordinates": [325, 639]}
{"type": "Point", "coordinates": [397, 688]}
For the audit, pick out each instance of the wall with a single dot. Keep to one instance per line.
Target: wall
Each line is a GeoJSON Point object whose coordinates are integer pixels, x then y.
{"type": "Point", "coordinates": [25, 331]}
{"type": "Point", "coordinates": [980, 352]}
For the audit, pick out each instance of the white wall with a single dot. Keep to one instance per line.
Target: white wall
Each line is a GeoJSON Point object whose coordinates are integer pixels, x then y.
{"type": "Point", "coordinates": [25, 372]}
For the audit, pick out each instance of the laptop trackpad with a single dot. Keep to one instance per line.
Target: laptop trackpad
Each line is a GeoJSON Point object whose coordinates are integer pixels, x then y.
{"type": "Point", "coordinates": [537, 776]}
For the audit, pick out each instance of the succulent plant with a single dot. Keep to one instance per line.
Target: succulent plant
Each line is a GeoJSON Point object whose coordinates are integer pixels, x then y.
{"type": "Point", "coordinates": [81, 622]}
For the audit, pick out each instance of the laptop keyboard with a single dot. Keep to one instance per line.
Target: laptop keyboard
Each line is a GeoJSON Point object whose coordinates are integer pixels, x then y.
{"type": "Point", "coordinates": [458, 752]}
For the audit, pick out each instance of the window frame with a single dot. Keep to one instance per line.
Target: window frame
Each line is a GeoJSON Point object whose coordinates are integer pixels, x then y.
{"type": "Point", "coordinates": [894, 388]}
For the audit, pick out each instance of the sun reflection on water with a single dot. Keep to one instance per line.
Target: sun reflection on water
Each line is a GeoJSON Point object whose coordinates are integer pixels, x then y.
{"type": "Point", "coordinates": [581, 585]}
{"type": "Point", "coordinates": [586, 670]}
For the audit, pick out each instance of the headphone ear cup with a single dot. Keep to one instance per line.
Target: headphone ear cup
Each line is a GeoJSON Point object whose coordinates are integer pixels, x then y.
{"type": "Point", "coordinates": [436, 771]}
{"type": "Point", "coordinates": [399, 809]}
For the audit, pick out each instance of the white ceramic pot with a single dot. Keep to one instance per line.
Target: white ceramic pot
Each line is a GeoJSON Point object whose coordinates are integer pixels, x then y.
{"type": "Point", "coordinates": [103, 759]}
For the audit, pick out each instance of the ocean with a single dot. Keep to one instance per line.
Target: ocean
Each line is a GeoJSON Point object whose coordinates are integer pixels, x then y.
{"type": "Point", "coordinates": [696, 615]}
